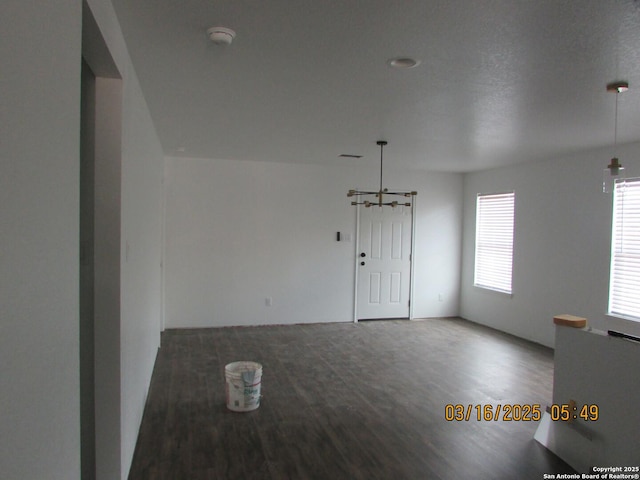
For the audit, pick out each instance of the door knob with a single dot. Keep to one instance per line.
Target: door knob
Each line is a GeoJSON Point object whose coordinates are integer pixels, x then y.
{"type": "Point", "coordinates": [363, 254]}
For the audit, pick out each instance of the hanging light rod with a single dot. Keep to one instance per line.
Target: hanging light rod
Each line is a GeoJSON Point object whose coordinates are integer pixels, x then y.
{"type": "Point", "coordinates": [616, 87]}
{"type": "Point", "coordinates": [379, 195]}
{"type": "Point", "coordinates": [615, 168]}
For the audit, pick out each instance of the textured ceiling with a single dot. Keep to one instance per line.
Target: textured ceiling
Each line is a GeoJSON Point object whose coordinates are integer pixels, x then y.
{"type": "Point", "coordinates": [500, 81]}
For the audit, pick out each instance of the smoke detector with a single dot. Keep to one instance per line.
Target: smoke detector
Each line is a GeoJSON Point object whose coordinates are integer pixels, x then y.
{"type": "Point", "coordinates": [221, 35]}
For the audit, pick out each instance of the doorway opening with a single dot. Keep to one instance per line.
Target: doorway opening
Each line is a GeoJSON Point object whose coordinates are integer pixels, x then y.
{"type": "Point", "coordinates": [99, 288]}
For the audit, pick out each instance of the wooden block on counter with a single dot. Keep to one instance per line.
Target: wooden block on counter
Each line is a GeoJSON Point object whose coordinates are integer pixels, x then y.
{"type": "Point", "coordinates": [570, 321]}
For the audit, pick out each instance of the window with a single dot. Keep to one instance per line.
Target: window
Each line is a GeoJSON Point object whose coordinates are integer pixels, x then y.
{"type": "Point", "coordinates": [494, 241]}
{"type": "Point", "coordinates": [624, 284]}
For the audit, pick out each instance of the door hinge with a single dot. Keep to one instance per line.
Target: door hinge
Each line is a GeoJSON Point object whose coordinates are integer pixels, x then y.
{"type": "Point", "coordinates": [409, 303]}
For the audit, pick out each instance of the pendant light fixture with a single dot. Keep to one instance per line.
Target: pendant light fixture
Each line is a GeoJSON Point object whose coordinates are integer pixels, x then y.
{"type": "Point", "coordinates": [615, 169]}
{"type": "Point", "coordinates": [380, 194]}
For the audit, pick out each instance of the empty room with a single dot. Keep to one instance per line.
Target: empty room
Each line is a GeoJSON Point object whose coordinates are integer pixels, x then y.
{"type": "Point", "coordinates": [415, 225]}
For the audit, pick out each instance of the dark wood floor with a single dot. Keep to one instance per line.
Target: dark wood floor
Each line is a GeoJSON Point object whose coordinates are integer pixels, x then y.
{"type": "Point", "coordinates": [346, 401]}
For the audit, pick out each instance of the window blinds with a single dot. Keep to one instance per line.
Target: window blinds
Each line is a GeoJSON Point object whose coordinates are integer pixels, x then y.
{"type": "Point", "coordinates": [494, 241]}
{"type": "Point", "coordinates": [624, 285]}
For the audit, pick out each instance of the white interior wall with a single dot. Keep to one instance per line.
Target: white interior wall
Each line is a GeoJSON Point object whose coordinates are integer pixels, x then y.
{"type": "Point", "coordinates": [39, 238]}
{"type": "Point", "coordinates": [561, 245]}
{"type": "Point", "coordinates": [239, 232]}
{"type": "Point", "coordinates": [107, 273]}
{"type": "Point", "coordinates": [437, 261]}
{"type": "Point", "coordinates": [39, 212]}
{"type": "Point", "coordinates": [141, 255]}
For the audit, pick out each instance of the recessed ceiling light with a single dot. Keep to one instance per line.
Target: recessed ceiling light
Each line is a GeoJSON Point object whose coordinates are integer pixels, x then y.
{"type": "Point", "coordinates": [403, 62]}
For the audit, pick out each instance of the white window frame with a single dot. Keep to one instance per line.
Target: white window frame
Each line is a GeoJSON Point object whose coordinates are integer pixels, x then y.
{"type": "Point", "coordinates": [495, 232]}
{"type": "Point", "coordinates": [624, 279]}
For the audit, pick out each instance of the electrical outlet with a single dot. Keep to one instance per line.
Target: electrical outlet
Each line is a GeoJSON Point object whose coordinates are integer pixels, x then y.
{"type": "Point", "coordinates": [268, 301]}
{"type": "Point", "coordinates": [440, 297]}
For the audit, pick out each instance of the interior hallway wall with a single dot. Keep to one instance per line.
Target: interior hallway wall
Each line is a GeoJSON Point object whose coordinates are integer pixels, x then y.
{"type": "Point", "coordinates": [39, 238]}
{"type": "Point", "coordinates": [39, 214]}
{"type": "Point", "coordinates": [141, 237]}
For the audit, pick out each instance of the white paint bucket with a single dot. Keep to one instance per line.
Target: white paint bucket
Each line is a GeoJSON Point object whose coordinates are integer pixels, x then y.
{"type": "Point", "coordinates": [242, 385]}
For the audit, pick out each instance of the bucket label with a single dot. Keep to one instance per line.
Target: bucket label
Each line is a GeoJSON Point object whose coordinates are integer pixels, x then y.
{"type": "Point", "coordinates": [243, 396]}
{"type": "Point", "coordinates": [252, 395]}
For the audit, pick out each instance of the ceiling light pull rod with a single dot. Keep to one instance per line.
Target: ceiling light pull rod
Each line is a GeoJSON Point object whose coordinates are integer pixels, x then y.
{"type": "Point", "coordinates": [614, 169]}
{"type": "Point", "coordinates": [615, 128]}
{"type": "Point", "coordinates": [381, 192]}
{"type": "Point", "coordinates": [382, 143]}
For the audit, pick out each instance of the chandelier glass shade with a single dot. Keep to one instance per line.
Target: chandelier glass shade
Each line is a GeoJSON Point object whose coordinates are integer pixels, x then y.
{"type": "Point", "coordinates": [383, 196]}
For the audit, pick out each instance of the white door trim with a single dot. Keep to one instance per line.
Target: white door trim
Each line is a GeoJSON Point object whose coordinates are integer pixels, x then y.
{"type": "Point", "coordinates": [413, 242]}
{"type": "Point", "coordinates": [355, 266]}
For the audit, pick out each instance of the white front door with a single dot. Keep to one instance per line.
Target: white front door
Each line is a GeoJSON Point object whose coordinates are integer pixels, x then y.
{"type": "Point", "coordinates": [384, 262]}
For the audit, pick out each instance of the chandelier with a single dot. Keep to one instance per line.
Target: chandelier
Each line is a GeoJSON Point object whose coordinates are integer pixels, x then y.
{"type": "Point", "coordinates": [615, 168]}
{"type": "Point", "coordinates": [381, 193]}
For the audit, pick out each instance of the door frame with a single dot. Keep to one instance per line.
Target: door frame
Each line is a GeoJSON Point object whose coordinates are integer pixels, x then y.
{"type": "Point", "coordinates": [101, 409]}
{"type": "Point", "coordinates": [411, 258]}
